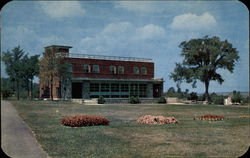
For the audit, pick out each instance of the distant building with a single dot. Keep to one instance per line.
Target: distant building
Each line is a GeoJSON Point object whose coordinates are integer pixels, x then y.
{"type": "Point", "coordinates": [107, 76]}
{"type": "Point", "coordinates": [228, 101]}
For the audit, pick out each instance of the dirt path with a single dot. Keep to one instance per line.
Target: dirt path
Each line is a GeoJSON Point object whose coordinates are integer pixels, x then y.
{"type": "Point", "coordinates": [17, 139]}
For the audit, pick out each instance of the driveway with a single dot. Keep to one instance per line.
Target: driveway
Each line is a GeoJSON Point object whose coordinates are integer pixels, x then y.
{"type": "Point", "coordinates": [17, 139]}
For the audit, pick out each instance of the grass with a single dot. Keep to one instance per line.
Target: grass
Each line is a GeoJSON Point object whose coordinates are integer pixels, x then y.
{"type": "Point", "coordinates": [124, 138]}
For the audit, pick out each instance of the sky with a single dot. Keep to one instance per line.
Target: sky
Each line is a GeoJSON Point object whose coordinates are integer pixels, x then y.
{"type": "Point", "coordinates": [148, 29]}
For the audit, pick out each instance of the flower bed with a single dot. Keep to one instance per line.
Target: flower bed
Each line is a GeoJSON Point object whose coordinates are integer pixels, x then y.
{"type": "Point", "coordinates": [84, 120]}
{"type": "Point", "coordinates": [210, 117]}
{"type": "Point", "coordinates": [149, 119]}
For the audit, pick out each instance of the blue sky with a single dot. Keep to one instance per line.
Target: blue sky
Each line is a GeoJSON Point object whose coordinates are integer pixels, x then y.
{"type": "Point", "coordinates": [150, 29]}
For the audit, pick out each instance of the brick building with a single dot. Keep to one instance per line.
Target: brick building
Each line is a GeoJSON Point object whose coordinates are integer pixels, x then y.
{"type": "Point", "coordinates": [107, 76]}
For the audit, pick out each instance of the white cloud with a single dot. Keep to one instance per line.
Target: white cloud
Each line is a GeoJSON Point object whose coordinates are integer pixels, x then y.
{"type": "Point", "coordinates": [150, 31]}
{"type": "Point", "coordinates": [59, 9]}
{"type": "Point", "coordinates": [191, 21]}
{"type": "Point", "coordinates": [118, 28]}
{"type": "Point", "coordinates": [138, 6]}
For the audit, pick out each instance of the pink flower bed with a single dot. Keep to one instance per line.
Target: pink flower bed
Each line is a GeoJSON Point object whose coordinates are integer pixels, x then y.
{"type": "Point", "coordinates": [210, 117]}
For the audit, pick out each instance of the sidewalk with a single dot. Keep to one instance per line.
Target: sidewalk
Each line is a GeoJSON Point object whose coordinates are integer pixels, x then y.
{"type": "Point", "coordinates": [17, 140]}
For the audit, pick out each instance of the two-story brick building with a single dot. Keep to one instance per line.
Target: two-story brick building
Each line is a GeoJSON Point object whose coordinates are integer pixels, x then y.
{"type": "Point", "coordinates": [107, 76]}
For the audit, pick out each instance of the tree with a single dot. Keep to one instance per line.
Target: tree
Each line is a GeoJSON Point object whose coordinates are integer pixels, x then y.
{"type": "Point", "coordinates": [53, 68]}
{"type": "Point", "coordinates": [236, 97]}
{"type": "Point", "coordinates": [30, 69]}
{"type": "Point", "coordinates": [202, 58]}
{"type": "Point", "coordinates": [6, 88]}
{"type": "Point", "coordinates": [14, 65]}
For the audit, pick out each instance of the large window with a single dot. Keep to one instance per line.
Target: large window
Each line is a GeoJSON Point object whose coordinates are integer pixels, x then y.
{"type": "Point", "coordinates": [120, 69]}
{"type": "Point", "coordinates": [142, 90]}
{"type": "Point", "coordinates": [134, 90]}
{"type": "Point", "coordinates": [144, 70]}
{"type": "Point", "coordinates": [86, 68]}
{"type": "Point", "coordinates": [70, 68]}
{"type": "Point", "coordinates": [95, 69]}
{"type": "Point", "coordinates": [112, 69]}
{"type": "Point", "coordinates": [124, 88]}
{"type": "Point", "coordinates": [114, 87]}
{"type": "Point", "coordinates": [136, 70]}
{"type": "Point", "coordinates": [94, 87]}
{"type": "Point", "coordinates": [105, 87]}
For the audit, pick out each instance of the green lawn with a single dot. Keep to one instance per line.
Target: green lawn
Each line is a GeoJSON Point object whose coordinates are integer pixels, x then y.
{"type": "Point", "coordinates": [124, 138]}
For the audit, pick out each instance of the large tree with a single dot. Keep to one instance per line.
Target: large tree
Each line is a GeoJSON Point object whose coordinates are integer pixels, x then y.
{"type": "Point", "coordinates": [203, 57]}
{"type": "Point", "coordinates": [13, 62]}
{"type": "Point", "coordinates": [53, 69]}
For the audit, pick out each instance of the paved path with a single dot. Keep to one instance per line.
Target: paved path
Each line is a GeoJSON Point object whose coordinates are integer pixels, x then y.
{"type": "Point", "coordinates": [17, 139]}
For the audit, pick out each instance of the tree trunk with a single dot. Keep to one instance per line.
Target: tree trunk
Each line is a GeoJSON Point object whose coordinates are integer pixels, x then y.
{"type": "Point", "coordinates": [51, 89]}
{"type": "Point", "coordinates": [206, 91]}
{"type": "Point", "coordinates": [17, 90]}
{"type": "Point", "coordinates": [31, 88]}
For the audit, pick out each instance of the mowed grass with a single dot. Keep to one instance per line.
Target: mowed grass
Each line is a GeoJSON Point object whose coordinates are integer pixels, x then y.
{"type": "Point", "coordinates": [125, 138]}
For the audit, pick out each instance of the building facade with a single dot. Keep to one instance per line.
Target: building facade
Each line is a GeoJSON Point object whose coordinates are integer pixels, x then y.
{"type": "Point", "coordinates": [93, 76]}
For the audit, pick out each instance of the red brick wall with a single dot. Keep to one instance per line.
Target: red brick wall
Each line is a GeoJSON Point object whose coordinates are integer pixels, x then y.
{"type": "Point", "coordinates": [77, 64]}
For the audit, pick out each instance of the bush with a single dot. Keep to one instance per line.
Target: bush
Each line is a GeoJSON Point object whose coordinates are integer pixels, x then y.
{"type": "Point", "coordinates": [134, 100]}
{"type": "Point", "coordinates": [101, 100]}
{"type": "Point", "coordinates": [162, 100]}
{"type": "Point", "coordinates": [193, 96]}
{"type": "Point", "coordinates": [84, 120]}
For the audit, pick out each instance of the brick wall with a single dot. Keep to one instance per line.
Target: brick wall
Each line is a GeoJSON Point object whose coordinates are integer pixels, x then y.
{"type": "Point", "coordinates": [77, 65]}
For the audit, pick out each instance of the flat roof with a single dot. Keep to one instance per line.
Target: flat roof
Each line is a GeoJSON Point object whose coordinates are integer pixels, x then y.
{"type": "Point", "coordinates": [105, 57]}
{"type": "Point", "coordinates": [58, 46]}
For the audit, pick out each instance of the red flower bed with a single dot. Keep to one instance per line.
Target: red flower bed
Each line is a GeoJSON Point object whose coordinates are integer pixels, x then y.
{"type": "Point", "coordinates": [210, 117]}
{"type": "Point", "coordinates": [84, 120]}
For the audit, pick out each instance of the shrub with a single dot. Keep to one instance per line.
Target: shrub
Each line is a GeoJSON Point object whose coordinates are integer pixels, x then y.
{"type": "Point", "coordinates": [162, 100]}
{"type": "Point", "coordinates": [134, 100]}
{"type": "Point", "coordinates": [101, 100]}
{"type": "Point", "coordinates": [84, 120]}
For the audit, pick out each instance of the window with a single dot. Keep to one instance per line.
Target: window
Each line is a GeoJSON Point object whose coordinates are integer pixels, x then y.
{"type": "Point", "coordinates": [124, 88]}
{"type": "Point", "coordinates": [95, 69]}
{"type": "Point", "coordinates": [114, 87]}
{"type": "Point", "coordinates": [70, 68]}
{"type": "Point", "coordinates": [112, 69]}
{"type": "Point", "coordinates": [142, 90]}
{"type": "Point", "coordinates": [94, 87]}
{"type": "Point", "coordinates": [134, 90]}
{"type": "Point", "coordinates": [136, 70]}
{"type": "Point", "coordinates": [104, 87]}
{"type": "Point", "coordinates": [120, 69]}
{"type": "Point", "coordinates": [144, 70]}
{"type": "Point", "coordinates": [86, 68]}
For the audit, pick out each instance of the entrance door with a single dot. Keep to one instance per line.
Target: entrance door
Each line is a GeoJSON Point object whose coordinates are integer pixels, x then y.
{"type": "Point", "coordinates": [157, 90]}
{"type": "Point", "coordinates": [76, 90]}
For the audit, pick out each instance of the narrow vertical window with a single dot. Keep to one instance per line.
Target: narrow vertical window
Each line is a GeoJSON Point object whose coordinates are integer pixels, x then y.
{"type": "Point", "coordinates": [112, 69]}
{"type": "Point", "coordinates": [120, 69]}
{"type": "Point", "coordinates": [136, 70]}
{"type": "Point", "coordinates": [96, 69]}
{"type": "Point", "coordinates": [144, 70]}
{"type": "Point", "coordinates": [86, 68]}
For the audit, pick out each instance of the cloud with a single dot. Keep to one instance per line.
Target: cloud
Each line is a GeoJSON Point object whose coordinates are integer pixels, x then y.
{"type": "Point", "coordinates": [60, 9]}
{"type": "Point", "coordinates": [112, 29]}
{"type": "Point", "coordinates": [138, 6]}
{"type": "Point", "coordinates": [150, 31]}
{"type": "Point", "coordinates": [191, 21]}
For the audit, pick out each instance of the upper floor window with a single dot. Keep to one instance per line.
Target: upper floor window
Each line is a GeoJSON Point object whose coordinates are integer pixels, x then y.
{"type": "Point", "coordinates": [95, 69]}
{"type": "Point", "coordinates": [120, 69]}
{"type": "Point", "coordinates": [136, 70]}
{"type": "Point", "coordinates": [70, 68]}
{"type": "Point", "coordinates": [86, 68]}
{"type": "Point", "coordinates": [112, 69]}
{"type": "Point", "coordinates": [144, 70]}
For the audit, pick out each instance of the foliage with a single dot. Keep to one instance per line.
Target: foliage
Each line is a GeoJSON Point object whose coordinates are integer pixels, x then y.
{"type": "Point", "coordinates": [6, 88]}
{"type": "Point", "coordinates": [84, 120]}
{"type": "Point", "coordinates": [101, 100]}
{"type": "Point", "coordinates": [236, 97]}
{"type": "Point", "coordinates": [192, 96]}
{"type": "Point", "coordinates": [162, 100]}
{"type": "Point", "coordinates": [21, 69]}
{"type": "Point", "coordinates": [217, 99]}
{"type": "Point", "coordinates": [134, 100]}
{"type": "Point", "coordinates": [52, 69]}
{"type": "Point", "coordinates": [202, 58]}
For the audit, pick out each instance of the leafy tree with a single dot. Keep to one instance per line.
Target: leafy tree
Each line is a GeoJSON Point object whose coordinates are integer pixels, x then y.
{"type": "Point", "coordinates": [53, 69]}
{"type": "Point", "coordinates": [192, 96]}
{"type": "Point", "coordinates": [14, 65]}
{"type": "Point", "coordinates": [6, 88]}
{"type": "Point", "coordinates": [202, 58]}
{"type": "Point", "coordinates": [236, 97]}
{"type": "Point", "coordinates": [29, 71]}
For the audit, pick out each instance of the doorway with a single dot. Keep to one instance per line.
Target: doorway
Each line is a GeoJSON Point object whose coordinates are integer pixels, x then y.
{"type": "Point", "coordinates": [76, 90]}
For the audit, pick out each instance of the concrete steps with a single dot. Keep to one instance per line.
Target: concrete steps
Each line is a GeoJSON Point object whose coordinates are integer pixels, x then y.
{"type": "Point", "coordinates": [87, 101]}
